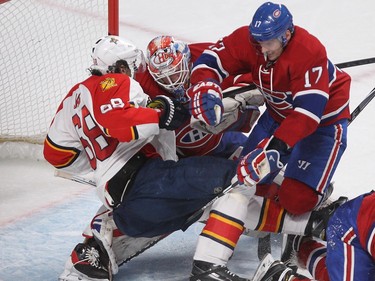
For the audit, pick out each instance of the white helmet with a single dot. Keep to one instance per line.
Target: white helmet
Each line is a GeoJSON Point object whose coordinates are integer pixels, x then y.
{"type": "Point", "coordinates": [110, 49]}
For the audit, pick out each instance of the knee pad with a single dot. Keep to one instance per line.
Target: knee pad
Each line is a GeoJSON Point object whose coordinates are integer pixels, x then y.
{"type": "Point", "coordinates": [296, 197]}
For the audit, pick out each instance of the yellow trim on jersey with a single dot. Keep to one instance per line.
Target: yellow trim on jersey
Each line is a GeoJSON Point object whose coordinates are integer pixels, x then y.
{"type": "Point", "coordinates": [264, 218]}
{"type": "Point", "coordinates": [71, 151]}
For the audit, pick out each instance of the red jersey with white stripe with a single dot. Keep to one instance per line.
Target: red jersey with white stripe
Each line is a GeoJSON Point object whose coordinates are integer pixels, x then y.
{"type": "Point", "coordinates": [302, 88]}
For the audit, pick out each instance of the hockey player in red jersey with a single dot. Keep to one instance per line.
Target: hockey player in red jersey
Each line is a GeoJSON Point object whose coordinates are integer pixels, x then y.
{"type": "Point", "coordinates": [304, 125]}
{"type": "Point", "coordinates": [348, 254]}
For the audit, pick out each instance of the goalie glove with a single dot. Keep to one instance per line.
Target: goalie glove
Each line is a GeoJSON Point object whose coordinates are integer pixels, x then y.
{"type": "Point", "coordinates": [173, 114]}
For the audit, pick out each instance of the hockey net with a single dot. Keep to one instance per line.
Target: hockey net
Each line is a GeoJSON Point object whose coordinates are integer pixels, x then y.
{"type": "Point", "coordinates": [45, 50]}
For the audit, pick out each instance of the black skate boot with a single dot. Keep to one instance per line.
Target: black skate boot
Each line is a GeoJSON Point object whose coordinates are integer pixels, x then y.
{"type": "Point", "coordinates": [318, 220]}
{"type": "Point", "coordinates": [290, 247]}
{"type": "Point", "coordinates": [278, 272]}
{"type": "Point", "coordinates": [271, 270]}
{"type": "Point", "coordinates": [86, 263]}
{"type": "Point", "coordinates": [205, 271]}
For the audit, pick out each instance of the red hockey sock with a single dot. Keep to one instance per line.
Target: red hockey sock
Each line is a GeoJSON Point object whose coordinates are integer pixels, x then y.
{"type": "Point", "coordinates": [296, 197]}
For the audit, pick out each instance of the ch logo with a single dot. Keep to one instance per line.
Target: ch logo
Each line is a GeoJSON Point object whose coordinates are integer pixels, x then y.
{"type": "Point", "coordinates": [302, 164]}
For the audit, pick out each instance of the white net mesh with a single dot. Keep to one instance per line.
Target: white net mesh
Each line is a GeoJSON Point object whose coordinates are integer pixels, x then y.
{"type": "Point", "coordinates": [45, 50]}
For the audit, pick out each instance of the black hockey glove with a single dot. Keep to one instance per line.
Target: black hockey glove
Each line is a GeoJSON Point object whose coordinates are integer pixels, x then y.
{"type": "Point", "coordinates": [173, 113]}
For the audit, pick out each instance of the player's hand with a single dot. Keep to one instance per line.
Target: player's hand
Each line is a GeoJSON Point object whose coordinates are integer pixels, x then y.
{"type": "Point", "coordinates": [257, 165]}
{"type": "Point", "coordinates": [173, 114]}
{"type": "Point", "coordinates": [206, 102]}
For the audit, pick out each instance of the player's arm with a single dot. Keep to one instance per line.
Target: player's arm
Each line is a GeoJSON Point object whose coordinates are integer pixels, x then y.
{"type": "Point", "coordinates": [130, 114]}
{"type": "Point", "coordinates": [222, 59]}
{"type": "Point", "coordinates": [209, 71]}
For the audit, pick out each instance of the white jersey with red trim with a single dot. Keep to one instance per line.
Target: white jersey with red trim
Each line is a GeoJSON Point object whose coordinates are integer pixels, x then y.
{"type": "Point", "coordinates": [101, 124]}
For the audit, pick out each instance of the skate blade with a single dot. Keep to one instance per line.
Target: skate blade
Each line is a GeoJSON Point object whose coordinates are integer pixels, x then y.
{"type": "Point", "coordinates": [263, 267]}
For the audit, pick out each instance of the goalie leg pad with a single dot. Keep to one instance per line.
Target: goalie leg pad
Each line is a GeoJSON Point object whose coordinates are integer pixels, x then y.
{"type": "Point", "coordinates": [102, 227]}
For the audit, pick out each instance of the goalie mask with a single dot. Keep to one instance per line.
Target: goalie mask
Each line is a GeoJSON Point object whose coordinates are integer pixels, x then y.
{"type": "Point", "coordinates": [108, 50]}
{"type": "Point", "coordinates": [169, 64]}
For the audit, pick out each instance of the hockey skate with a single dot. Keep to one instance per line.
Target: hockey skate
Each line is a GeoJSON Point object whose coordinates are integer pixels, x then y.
{"type": "Point", "coordinates": [289, 249]}
{"type": "Point", "coordinates": [205, 271]}
{"type": "Point", "coordinates": [271, 270]}
{"type": "Point", "coordinates": [318, 220]}
{"type": "Point", "coordinates": [85, 264]}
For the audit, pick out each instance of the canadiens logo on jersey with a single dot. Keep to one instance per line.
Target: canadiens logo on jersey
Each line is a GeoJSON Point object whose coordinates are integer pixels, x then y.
{"type": "Point", "coordinates": [278, 100]}
{"type": "Point", "coordinates": [108, 83]}
{"type": "Point", "coordinates": [191, 141]}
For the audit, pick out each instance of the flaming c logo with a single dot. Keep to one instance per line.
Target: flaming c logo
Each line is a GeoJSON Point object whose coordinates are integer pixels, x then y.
{"type": "Point", "coordinates": [108, 83]}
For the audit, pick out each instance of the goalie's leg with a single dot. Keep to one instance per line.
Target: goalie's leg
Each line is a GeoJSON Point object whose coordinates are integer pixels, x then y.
{"type": "Point", "coordinates": [108, 246]}
{"type": "Point", "coordinates": [85, 263]}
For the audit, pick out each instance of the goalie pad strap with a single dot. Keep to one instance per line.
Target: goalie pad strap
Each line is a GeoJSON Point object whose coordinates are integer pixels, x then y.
{"type": "Point", "coordinates": [121, 183]}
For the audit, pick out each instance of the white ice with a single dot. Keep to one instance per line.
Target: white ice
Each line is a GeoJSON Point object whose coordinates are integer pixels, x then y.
{"type": "Point", "coordinates": [42, 216]}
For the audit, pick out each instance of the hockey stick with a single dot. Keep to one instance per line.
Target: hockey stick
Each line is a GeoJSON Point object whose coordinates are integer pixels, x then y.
{"type": "Point", "coordinates": [355, 63]}
{"type": "Point", "coordinates": [72, 177]}
{"type": "Point", "coordinates": [362, 105]}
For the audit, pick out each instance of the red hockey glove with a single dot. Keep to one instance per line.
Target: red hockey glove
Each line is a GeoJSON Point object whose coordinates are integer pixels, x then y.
{"type": "Point", "coordinates": [257, 165]}
{"type": "Point", "coordinates": [206, 102]}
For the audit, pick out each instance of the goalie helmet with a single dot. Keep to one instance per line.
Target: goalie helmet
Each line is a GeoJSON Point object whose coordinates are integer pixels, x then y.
{"type": "Point", "coordinates": [110, 49]}
{"type": "Point", "coordinates": [271, 21]}
{"type": "Point", "coordinates": [169, 64]}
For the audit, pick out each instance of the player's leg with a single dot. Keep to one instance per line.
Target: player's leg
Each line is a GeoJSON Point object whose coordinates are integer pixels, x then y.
{"type": "Point", "coordinates": [311, 166]}
{"type": "Point", "coordinates": [166, 193]}
{"type": "Point", "coordinates": [219, 237]}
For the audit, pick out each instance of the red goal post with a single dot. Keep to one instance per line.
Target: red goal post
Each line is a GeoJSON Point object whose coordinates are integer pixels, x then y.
{"type": "Point", "coordinates": [45, 50]}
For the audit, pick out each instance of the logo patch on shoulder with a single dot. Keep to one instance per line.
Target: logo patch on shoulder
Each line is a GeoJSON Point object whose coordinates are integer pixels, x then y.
{"type": "Point", "coordinates": [108, 83]}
